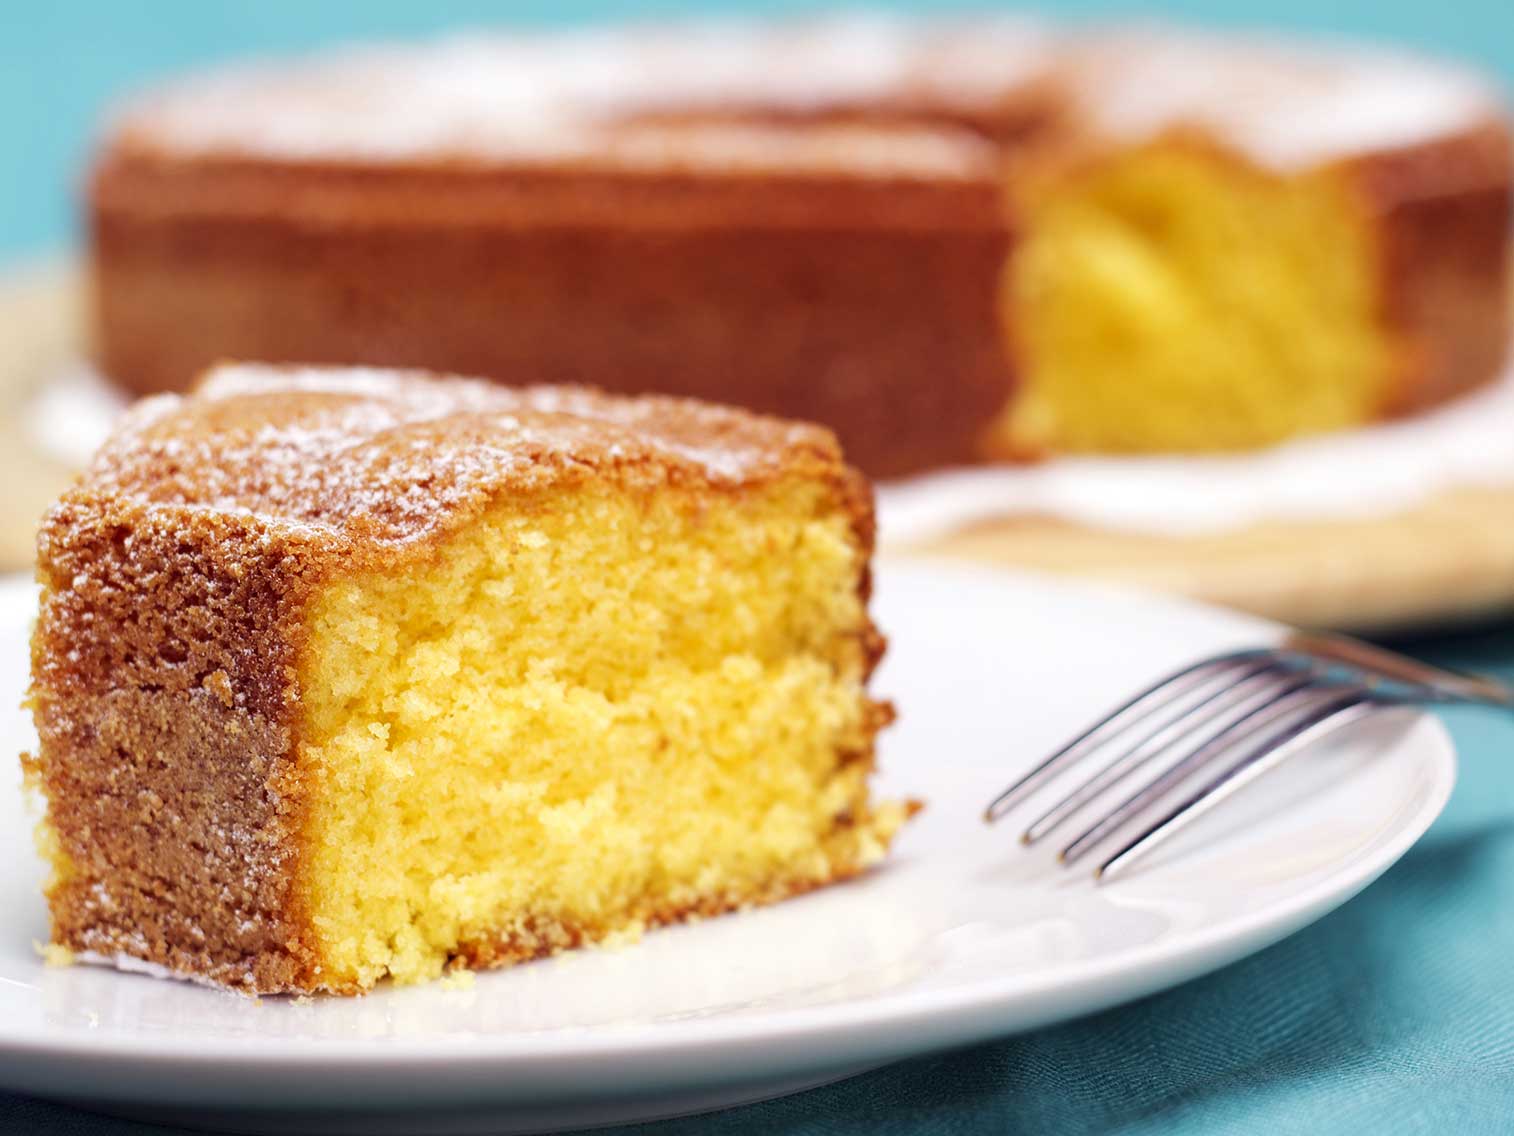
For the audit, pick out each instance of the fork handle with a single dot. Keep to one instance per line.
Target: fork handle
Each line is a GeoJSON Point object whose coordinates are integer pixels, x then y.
{"type": "Point", "coordinates": [1375, 660]}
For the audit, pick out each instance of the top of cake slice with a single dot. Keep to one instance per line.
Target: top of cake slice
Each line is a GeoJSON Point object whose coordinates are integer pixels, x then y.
{"type": "Point", "coordinates": [351, 456]}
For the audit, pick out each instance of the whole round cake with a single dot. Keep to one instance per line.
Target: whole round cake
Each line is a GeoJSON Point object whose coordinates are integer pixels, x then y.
{"type": "Point", "coordinates": [952, 242]}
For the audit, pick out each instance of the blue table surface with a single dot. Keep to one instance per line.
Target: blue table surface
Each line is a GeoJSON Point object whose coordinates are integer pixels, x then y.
{"type": "Point", "coordinates": [1395, 1014]}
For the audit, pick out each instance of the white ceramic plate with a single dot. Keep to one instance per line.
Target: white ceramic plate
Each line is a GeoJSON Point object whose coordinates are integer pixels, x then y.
{"type": "Point", "coordinates": [962, 936]}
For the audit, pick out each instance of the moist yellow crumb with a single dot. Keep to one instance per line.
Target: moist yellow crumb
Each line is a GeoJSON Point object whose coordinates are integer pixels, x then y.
{"type": "Point", "coordinates": [703, 651]}
{"type": "Point", "coordinates": [1173, 297]}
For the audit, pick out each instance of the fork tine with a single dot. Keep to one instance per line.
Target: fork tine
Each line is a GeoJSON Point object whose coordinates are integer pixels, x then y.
{"type": "Point", "coordinates": [1208, 719]}
{"type": "Point", "coordinates": [1149, 701]}
{"type": "Point", "coordinates": [1343, 709]}
{"type": "Point", "coordinates": [1223, 702]}
{"type": "Point", "coordinates": [1298, 695]}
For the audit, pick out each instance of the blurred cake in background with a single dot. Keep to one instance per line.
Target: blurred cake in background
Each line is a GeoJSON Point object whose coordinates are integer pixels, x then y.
{"type": "Point", "coordinates": [954, 243]}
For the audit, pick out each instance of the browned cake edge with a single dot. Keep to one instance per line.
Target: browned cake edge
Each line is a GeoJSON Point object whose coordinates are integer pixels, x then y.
{"type": "Point", "coordinates": [167, 709]}
{"type": "Point", "coordinates": [870, 305]}
{"type": "Point", "coordinates": [166, 693]}
{"type": "Point", "coordinates": [1445, 263]}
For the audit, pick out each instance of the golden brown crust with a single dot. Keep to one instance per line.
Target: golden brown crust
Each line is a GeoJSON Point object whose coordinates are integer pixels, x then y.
{"type": "Point", "coordinates": [175, 578]}
{"type": "Point", "coordinates": [357, 457]}
{"type": "Point", "coordinates": [175, 806]}
{"type": "Point", "coordinates": [785, 296]}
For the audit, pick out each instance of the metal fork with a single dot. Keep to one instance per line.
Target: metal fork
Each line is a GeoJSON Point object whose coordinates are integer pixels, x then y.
{"type": "Point", "coordinates": [1229, 718]}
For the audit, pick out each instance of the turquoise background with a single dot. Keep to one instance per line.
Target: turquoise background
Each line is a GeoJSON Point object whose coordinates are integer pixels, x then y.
{"type": "Point", "coordinates": [61, 63]}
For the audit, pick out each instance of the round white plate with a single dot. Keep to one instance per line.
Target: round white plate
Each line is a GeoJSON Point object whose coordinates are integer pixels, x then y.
{"type": "Point", "coordinates": [964, 935]}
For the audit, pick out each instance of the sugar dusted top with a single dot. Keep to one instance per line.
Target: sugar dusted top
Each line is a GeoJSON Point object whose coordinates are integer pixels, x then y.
{"type": "Point", "coordinates": [1286, 105]}
{"type": "Point", "coordinates": [600, 97]}
{"type": "Point", "coordinates": [391, 456]}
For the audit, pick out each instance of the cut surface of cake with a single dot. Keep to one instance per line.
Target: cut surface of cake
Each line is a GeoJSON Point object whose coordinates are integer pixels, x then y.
{"type": "Point", "coordinates": [1174, 298]}
{"type": "Point", "coordinates": [346, 675]}
{"type": "Point", "coordinates": [953, 241]}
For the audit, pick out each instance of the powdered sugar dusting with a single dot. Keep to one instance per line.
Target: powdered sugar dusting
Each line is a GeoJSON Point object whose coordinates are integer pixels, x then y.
{"type": "Point", "coordinates": [392, 454]}
{"type": "Point", "coordinates": [1285, 105]}
{"type": "Point", "coordinates": [575, 96]}
{"type": "Point", "coordinates": [581, 96]}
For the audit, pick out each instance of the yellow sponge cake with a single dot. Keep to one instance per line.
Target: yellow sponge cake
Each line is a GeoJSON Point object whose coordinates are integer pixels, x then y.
{"type": "Point", "coordinates": [349, 675]}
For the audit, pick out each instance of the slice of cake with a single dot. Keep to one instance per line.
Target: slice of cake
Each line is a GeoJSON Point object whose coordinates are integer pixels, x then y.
{"type": "Point", "coordinates": [342, 675]}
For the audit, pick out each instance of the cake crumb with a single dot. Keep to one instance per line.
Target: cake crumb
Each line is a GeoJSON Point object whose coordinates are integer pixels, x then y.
{"type": "Point", "coordinates": [53, 954]}
{"type": "Point", "coordinates": [304, 1000]}
{"type": "Point", "coordinates": [459, 978]}
{"type": "Point", "coordinates": [623, 937]}
{"type": "Point", "coordinates": [219, 684]}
